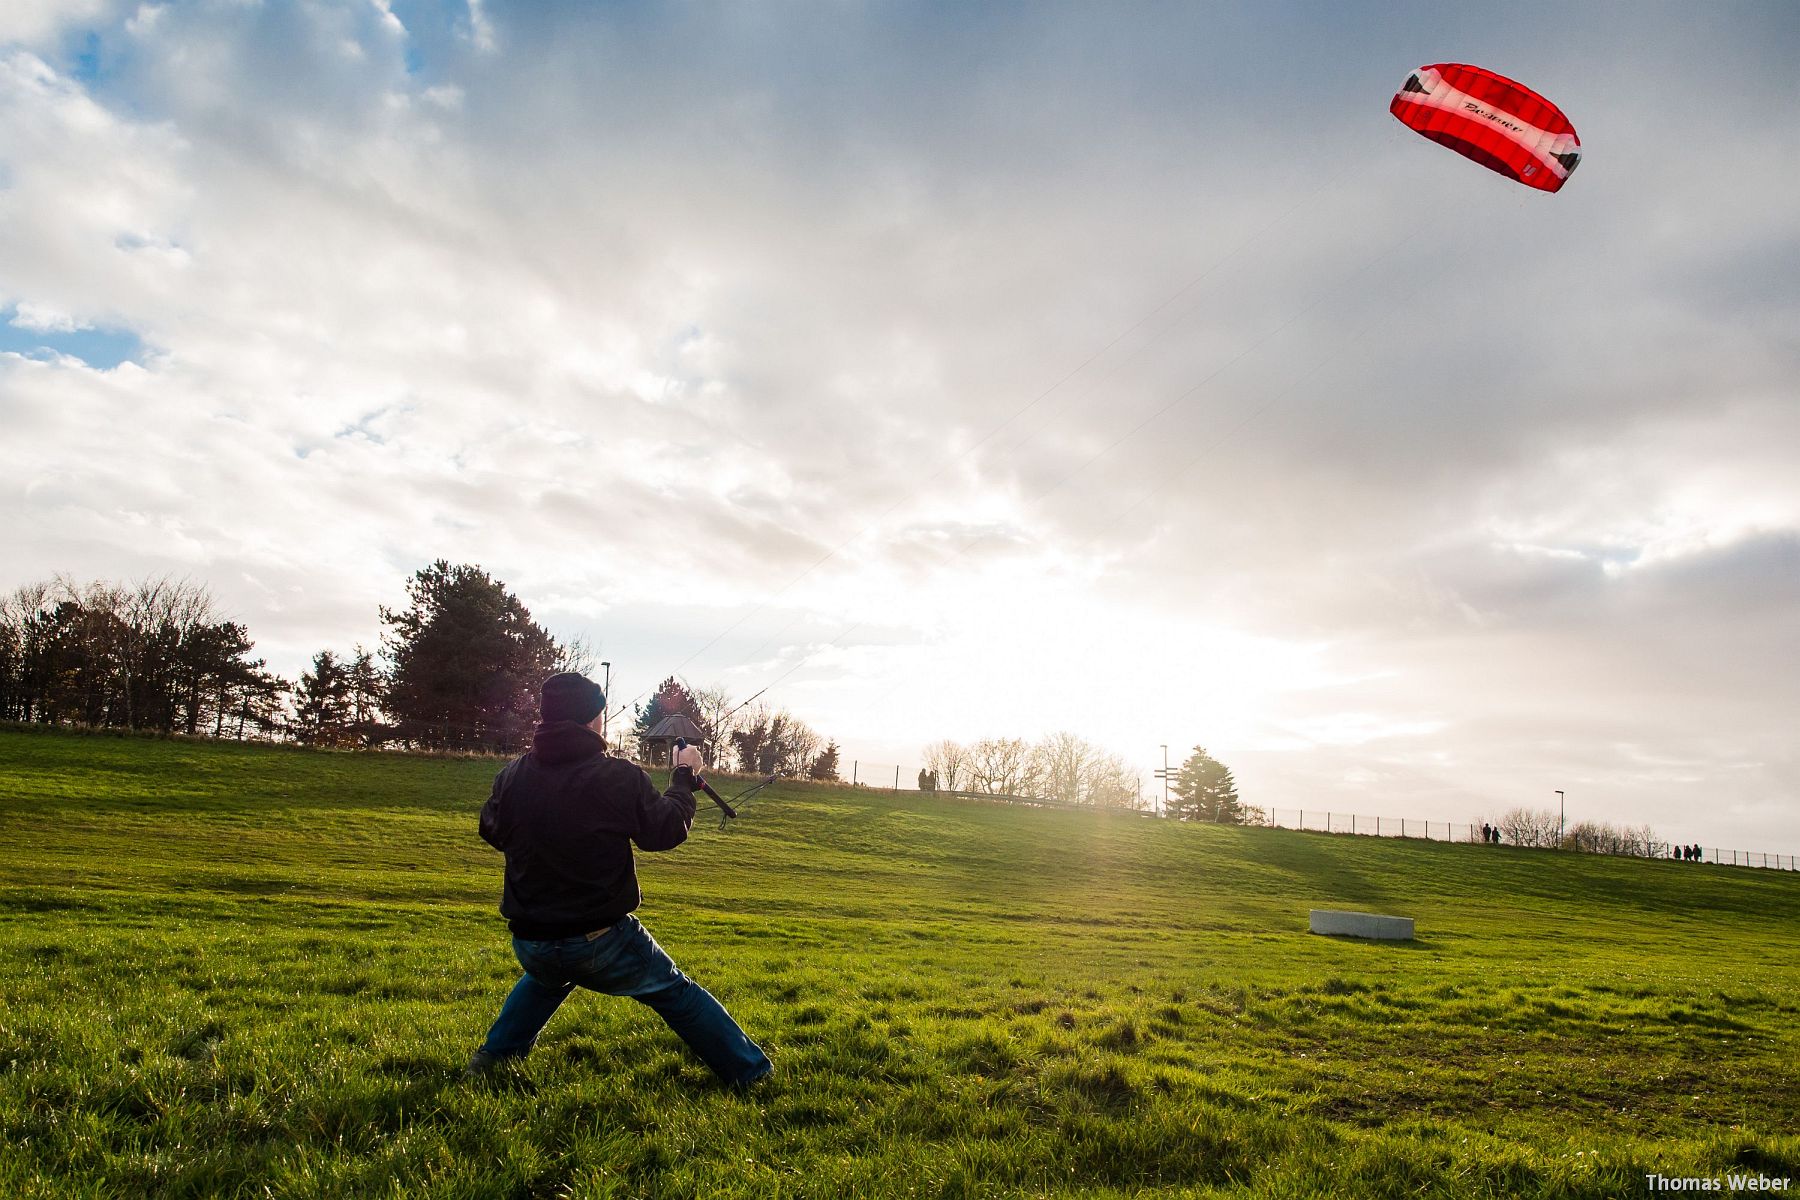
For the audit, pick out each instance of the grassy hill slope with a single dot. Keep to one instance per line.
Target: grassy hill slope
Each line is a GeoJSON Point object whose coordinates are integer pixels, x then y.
{"type": "Point", "coordinates": [256, 971]}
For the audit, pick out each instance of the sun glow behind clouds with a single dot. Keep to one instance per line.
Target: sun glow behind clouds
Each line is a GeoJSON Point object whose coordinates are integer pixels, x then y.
{"type": "Point", "coordinates": [650, 314]}
{"type": "Point", "coordinates": [1023, 648]}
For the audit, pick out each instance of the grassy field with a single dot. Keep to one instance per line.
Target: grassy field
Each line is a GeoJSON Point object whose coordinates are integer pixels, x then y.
{"type": "Point", "coordinates": [248, 971]}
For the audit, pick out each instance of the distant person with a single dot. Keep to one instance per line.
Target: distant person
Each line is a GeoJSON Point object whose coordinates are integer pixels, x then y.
{"type": "Point", "coordinates": [566, 814]}
{"type": "Point", "coordinates": [1487, 832]}
{"type": "Point", "coordinates": [1496, 835]}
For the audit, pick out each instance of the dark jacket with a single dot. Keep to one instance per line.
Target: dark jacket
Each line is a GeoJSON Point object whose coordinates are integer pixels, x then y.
{"type": "Point", "coordinates": [565, 815]}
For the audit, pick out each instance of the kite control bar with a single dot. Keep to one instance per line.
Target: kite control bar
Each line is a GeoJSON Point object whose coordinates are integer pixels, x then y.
{"type": "Point", "coordinates": [742, 796]}
{"type": "Point", "coordinates": [727, 812]}
{"type": "Point", "coordinates": [696, 780]}
{"type": "Point", "coordinates": [718, 800]}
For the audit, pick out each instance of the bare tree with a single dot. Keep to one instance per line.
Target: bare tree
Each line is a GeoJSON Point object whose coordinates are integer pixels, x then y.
{"type": "Point", "coordinates": [1001, 766]}
{"type": "Point", "coordinates": [775, 743]}
{"type": "Point", "coordinates": [1531, 827]}
{"type": "Point", "coordinates": [1110, 782]}
{"type": "Point", "coordinates": [718, 717]}
{"type": "Point", "coordinates": [159, 616]}
{"type": "Point", "coordinates": [1070, 769]}
{"type": "Point", "coordinates": [1061, 763]}
{"type": "Point", "coordinates": [798, 746]}
{"type": "Point", "coordinates": [949, 761]}
{"type": "Point", "coordinates": [1643, 842]}
{"type": "Point", "coordinates": [1595, 837]}
{"type": "Point", "coordinates": [576, 655]}
{"type": "Point", "coordinates": [24, 687]}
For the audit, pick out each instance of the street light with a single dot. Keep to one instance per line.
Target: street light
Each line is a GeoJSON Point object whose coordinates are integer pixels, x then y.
{"type": "Point", "coordinates": [605, 695]}
{"type": "Point", "coordinates": [1163, 775]}
{"type": "Point", "coordinates": [1561, 819]}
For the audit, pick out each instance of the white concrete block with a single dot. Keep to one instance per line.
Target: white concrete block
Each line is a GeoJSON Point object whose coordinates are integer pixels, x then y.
{"type": "Point", "coordinates": [1338, 923]}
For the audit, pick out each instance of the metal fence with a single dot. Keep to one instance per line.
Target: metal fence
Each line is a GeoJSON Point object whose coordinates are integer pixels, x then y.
{"type": "Point", "coordinates": [890, 776]}
{"type": "Point", "coordinates": [1321, 821]}
{"type": "Point", "coordinates": [881, 775]}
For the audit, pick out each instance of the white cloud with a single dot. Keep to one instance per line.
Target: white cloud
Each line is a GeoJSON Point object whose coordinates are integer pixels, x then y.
{"type": "Point", "coordinates": [41, 318]}
{"type": "Point", "coordinates": [1427, 490]}
{"type": "Point", "coordinates": [28, 22]}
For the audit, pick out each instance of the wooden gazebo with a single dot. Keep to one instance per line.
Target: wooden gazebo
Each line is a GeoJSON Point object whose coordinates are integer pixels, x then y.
{"type": "Point", "coordinates": [658, 744]}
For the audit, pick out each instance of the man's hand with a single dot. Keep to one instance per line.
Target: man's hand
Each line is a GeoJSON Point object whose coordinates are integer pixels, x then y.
{"type": "Point", "coordinates": [684, 777]}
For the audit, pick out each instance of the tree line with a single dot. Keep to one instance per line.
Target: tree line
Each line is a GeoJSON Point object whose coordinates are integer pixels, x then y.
{"type": "Point", "coordinates": [756, 740]}
{"type": "Point", "coordinates": [1543, 828]}
{"type": "Point", "coordinates": [156, 655]}
{"type": "Point", "coordinates": [1065, 768]}
{"type": "Point", "coordinates": [457, 669]}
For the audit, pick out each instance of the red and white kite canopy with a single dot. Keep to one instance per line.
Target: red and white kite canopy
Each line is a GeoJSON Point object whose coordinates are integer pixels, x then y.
{"type": "Point", "coordinates": [1502, 125]}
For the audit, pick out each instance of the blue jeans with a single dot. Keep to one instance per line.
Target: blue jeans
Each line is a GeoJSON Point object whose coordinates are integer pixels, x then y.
{"type": "Point", "coordinates": [624, 961]}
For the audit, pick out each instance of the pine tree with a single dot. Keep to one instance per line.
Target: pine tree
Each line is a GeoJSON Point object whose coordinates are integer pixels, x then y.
{"type": "Point", "coordinates": [670, 697]}
{"type": "Point", "coordinates": [465, 661]}
{"type": "Point", "coordinates": [1203, 790]}
{"type": "Point", "coordinates": [322, 711]}
{"type": "Point", "coordinates": [364, 698]}
{"type": "Point", "coordinates": [825, 766]}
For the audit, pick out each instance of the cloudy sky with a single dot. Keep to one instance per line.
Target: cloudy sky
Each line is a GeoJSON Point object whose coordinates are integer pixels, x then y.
{"type": "Point", "coordinates": [956, 370]}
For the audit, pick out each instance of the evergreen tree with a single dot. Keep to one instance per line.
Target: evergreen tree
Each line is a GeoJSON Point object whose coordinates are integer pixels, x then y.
{"type": "Point", "coordinates": [670, 697]}
{"type": "Point", "coordinates": [363, 697]}
{"type": "Point", "coordinates": [465, 661]}
{"type": "Point", "coordinates": [825, 766]}
{"type": "Point", "coordinates": [322, 709]}
{"type": "Point", "coordinates": [1203, 790]}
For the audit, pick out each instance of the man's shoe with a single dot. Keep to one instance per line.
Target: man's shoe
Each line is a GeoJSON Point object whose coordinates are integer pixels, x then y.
{"type": "Point", "coordinates": [480, 1065]}
{"type": "Point", "coordinates": [751, 1084]}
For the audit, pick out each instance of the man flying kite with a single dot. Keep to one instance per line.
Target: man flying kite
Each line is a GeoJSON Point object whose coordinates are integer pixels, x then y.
{"type": "Point", "coordinates": [566, 815]}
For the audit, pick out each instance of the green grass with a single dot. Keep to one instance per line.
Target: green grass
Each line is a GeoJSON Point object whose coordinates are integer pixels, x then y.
{"type": "Point", "coordinates": [231, 970]}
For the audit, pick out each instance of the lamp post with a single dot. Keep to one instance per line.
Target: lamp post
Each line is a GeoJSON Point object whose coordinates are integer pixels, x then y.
{"type": "Point", "coordinates": [605, 695]}
{"type": "Point", "coordinates": [1163, 775]}
{"type": "Point", "coordinates": [1561, 818]}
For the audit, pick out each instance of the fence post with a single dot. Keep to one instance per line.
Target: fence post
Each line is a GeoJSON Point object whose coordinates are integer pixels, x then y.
{"type": "Point", "coordinates": [1352, 822]}
{"type": "Point", "coordinates": [896, 777]}
{"type": "Point", "coordinates": [853, 765]}
{"type": "Point", "coordinates": [1303, 818]}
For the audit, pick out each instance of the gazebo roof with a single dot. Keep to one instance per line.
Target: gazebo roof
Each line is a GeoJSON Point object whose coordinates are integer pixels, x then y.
{"type": "Point", "coordinates": [676, 725]}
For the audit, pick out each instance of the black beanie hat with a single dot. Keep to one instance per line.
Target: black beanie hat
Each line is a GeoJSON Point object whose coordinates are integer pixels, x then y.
{"type": "Point", "coordinates": [570, 697]}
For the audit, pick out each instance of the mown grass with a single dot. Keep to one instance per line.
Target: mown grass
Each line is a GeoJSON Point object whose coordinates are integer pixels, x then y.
{"type": "Point", "coordinates": [250, 971]}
